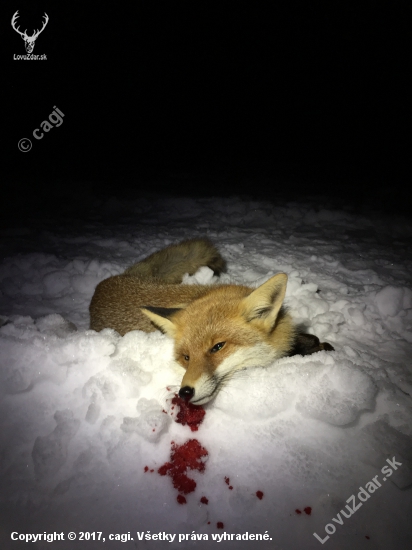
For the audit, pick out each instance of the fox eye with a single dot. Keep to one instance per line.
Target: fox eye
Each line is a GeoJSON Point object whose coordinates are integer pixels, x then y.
{"type": "Point", "coordinates": [186, 357]}
{"type": "Point", "coordinates": [217, 347]}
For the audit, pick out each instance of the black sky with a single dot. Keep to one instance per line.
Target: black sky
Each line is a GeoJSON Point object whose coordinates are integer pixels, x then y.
{"type": "Point", "coordinates": [307, 95]}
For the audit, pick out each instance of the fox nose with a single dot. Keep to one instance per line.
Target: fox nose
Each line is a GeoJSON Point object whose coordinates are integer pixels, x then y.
{"type": "Point", "coordinates": [186, 393]}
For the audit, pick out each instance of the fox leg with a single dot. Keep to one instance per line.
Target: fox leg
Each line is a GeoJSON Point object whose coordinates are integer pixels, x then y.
{"type": "Point", "coordinates": [306, 344]}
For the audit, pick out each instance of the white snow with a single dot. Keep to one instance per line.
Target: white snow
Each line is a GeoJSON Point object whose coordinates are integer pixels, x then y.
{"type": "Point", "coordinates": [82, 413]}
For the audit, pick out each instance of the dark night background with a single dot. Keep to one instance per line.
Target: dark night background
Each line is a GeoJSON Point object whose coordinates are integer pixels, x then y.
{"type": "Point", "coordinates": [208, 98]}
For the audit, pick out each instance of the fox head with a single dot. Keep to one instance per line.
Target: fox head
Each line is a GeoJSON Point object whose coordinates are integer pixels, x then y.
{"type": "Point", "coordinates": [230, 328]}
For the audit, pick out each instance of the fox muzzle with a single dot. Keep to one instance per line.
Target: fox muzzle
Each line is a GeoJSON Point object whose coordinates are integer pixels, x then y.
{"type": "Point", "coordinates": [186, 393]}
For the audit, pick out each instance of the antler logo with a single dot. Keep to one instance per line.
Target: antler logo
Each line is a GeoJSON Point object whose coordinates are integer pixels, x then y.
{"type": "Point", "coordinates": [28, 40]}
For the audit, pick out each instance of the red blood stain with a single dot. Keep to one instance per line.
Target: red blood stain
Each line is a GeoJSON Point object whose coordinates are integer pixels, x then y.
{"type": "Point", "coordinates": [146, 468]}
{"type": "Point", "coordinates": [219, 525]}
{"type": "Point", "coordinates": [204, 500]}
{"type": "Point", "coordinates": [259, 494]}
{"type": "Point", "coordinates": [181, 499]}
{"type": "Point", "coordinates": [151, 471]}
{"type": "Point", "coordinates": [307, 510]}
{"type": "Point", "coordinates": [298, 511]}
{"type": "Point", "coordinates": [366, 537]}
{"type": "Point", "coordinates": [227, 481]}
{"type": "Point", "coordinates": [184, 457]}
{"type": "Point", "coordinates": [189, 414]}
{"type": "Point", "coordinates": [208, 522]}
{"type": "Point", "coordinates": [163, 411]}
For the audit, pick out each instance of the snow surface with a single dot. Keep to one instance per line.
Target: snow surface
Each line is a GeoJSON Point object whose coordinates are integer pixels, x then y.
{"type": "Point", "coordinates": [81, 412]}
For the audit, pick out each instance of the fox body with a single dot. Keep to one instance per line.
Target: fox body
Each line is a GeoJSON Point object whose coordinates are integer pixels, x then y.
{"type": "Point", "coordinates": [217, 329]}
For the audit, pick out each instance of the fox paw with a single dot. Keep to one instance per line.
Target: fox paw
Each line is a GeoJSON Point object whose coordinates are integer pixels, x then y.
{"type": "Point", "coordinates": [326, 347]}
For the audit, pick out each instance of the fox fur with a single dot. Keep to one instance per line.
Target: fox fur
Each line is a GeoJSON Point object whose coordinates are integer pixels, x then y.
{"type": "Point", "coordinates": [170, 264]}
{"type": "Point", "coordinates": [217, 329]}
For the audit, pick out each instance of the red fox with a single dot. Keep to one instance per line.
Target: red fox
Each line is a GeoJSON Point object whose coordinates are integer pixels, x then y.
{"type": "Point", "coordinates": [217, 329]}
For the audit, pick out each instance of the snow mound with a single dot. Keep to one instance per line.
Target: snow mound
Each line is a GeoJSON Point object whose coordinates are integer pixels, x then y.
{"type": "Point", "coordinates": [50, 451]}
{"type": "Point", "coordinates": [151, 423]}
{"type": "Point", "coordinates": [321, 386]}
{"type": "Point", "coordinates": [392, 300]}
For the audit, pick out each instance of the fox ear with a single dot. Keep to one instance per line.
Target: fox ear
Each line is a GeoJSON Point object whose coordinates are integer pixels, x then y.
{"type": "Point", "coordinates": [162, 318]}
{"type": "Point", "coordinates": [264, 303]}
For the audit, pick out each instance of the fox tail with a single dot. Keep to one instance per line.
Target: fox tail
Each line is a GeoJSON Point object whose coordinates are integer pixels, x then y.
{"type": "Point", "coordinates": [171, 263]}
